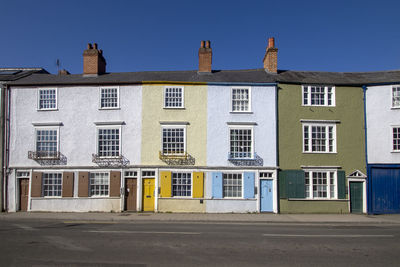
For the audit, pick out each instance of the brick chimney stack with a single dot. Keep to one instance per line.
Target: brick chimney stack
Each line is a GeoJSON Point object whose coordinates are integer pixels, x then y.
{"type": "Point", "coordinates": [271, 57]}
{"type": "Point", "coordinates": [93, 60]}
{"type": "Point", "coordinates": [205, 56]}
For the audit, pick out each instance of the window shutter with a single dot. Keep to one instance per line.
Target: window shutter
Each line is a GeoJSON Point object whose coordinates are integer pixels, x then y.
{"type": "Point", "coordinates": [292, 184]}
{"type": "Point", "coordinates": [217, 185]}
{"type": "Point", "coordinates": [115, 184]}
{"type": "Point", "coordinates": [68, 184]}
{"type": "Point", "coordinates": [341, 184]}
{"type": "Point", "coordinates": [248, 183]}
{"type": "Point", "coordinates": [36, 190]}
{"type": "Point", "coordinates": [198, 184]}
{"type": "Point", "coordinates": [165, 184]}
{"type": "Point", "coordinates": [83, 186]}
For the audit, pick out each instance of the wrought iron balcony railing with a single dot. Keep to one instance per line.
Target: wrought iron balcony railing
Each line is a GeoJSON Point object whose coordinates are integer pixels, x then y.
{"type": "Point", "coordinates": [39, 155]}
{"type": "Point", "coordinates": [163, 156]}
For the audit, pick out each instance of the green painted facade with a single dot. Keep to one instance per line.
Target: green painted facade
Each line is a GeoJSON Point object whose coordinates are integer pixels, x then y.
{"type": "Point", "coordinates": [348, 113]}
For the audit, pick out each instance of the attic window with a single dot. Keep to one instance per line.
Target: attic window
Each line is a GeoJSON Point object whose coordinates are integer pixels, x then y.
{"type": "Point", "coordinates": [316, 95]}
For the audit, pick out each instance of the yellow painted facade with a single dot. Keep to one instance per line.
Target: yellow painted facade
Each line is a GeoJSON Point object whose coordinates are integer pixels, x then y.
{"type": "Point", "coordinates": [181, 205]}
{"type": "Point", "coordinates": [194, 114]}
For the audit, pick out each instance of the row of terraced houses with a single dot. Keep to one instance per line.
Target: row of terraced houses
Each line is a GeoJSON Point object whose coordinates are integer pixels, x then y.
{"type": "Point", "coordinates": [256, 140]}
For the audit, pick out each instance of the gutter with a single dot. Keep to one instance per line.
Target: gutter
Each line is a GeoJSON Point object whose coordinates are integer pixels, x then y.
{"type": "Point", "coordinates": [243, 83]}
{"type": "Point", "coordinates": [364, 87]}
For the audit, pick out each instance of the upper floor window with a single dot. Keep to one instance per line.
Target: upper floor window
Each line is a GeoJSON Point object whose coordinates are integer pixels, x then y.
{"type": "Point", "coordinates": [99, 183]}
{"type": "Point", "coordinates": [396, 139]}
{"type": "Point", "coordinates": [47, 99]}
{"type": "Point", "coordinates": [396, 97]}
{"type": "Point", "coordinates": [319, 138]}
{"type": "Point", "coordinates": [173, 97]}
{"type": "Point", "coordinates": [47, 142]}
{"type": "Point", "coordinates": [181, 184]}
{"type": "Point", "coordinates": [173, 140]}
{"type": "Point", "coordinates": [109, 97]}
{"type": "Point", "coordinates": [52, 184]}
{"type": "Point", "coordinates": [232, 184]}
{"type": "Point", "coordinates": [320, 184]}
{"type": "Point", "coordinates": [318, 95]}
{"type": "Point", "coordinates": [241, 142]}
{"type": "Point", "coordinates": [241, 99]}
{"type": "Point", "coordinates": [108, 141]}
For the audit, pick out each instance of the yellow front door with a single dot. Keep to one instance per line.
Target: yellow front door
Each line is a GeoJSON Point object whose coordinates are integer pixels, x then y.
{"type": "Point", "coordinates": [148, 194]}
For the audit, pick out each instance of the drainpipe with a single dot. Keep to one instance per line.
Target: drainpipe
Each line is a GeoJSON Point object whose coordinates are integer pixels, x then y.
{"type": "Point", "coordinates": [366, 143]}
{"type": "Point", "coordinates": [6, 142]}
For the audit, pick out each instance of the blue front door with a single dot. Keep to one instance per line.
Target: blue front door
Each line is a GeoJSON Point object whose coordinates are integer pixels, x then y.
{"type": "Point", "coordinates": [267, 193]}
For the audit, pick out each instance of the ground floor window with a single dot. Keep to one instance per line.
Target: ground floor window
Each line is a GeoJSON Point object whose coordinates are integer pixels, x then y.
{"type": "Point", "coordinates": [99, 183]}
{"type": "Point", "coordinates": [320, 184]}
{"type": "Point", "coordinates": [181, 184]}
{"type": "Point", "coordinates": [232, 183]}
{"type": "Point", "coordinates": [52, 184]}
{"type": "Point", "coordinates": [396, 139]}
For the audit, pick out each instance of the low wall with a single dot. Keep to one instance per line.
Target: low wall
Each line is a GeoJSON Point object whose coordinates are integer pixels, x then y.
{"type": "Point", "coordinates": [76, 204]}
{"type": "Point", "coordinates": [231, 205]}
{"type": "Point", "coordinates": [313, 206]}
{"type": "Point", "coordinates": [180, 205]}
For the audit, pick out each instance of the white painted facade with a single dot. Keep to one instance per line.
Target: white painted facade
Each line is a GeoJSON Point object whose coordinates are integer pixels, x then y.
{"type": "Point", "coordinates": [381, 117]}
{"type": "Point", "coordinates": [77, 117]}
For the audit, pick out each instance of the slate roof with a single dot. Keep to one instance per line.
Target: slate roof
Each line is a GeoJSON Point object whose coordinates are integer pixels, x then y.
{"type": "Point", "coordinates": [223, 76]}
{"type": "Point", "coordinates": [12, 74]}
{"type": "Point", "coordinates": [339, 78]}
{"type": "Point", "coordinates": [217, 76]}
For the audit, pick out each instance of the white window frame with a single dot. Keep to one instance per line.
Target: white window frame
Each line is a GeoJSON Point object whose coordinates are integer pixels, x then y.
{"type": "Point", "coordinates": [43, 184]}
{"type": "Point", "coordinates": [90, 184]}
{"type": "Point", "coordinates": [249, 100]}
{"type": "Point", "coordinates": [392, 97]}
{"type": "Point", "coordinates": [38, 99]}
{"type": "Point", "coordinates": [182, 104]}
{"type": "Point", "coordinates": [309, 137]}
{"type": "Point", "coordinates": [108, 127]}
{"type": "Point", "coordinates": [184, 139]}
{"type": "Point", "coordinates": [47, 128]}
{"type": "Point", "coordinates": [393, 139]}
{"type": "Point", "coordinates": [309, 98]}
{"type": "Point", "coordinates": [242, 185]}
{"type": "Point", "coordinates": [172, 183]}
{"type": "Point", "coordinates": [241, 127]}
{"type": "Point", "coordinates": [328, 185]}
{"type": "Point", "coordinates": [100, 96]}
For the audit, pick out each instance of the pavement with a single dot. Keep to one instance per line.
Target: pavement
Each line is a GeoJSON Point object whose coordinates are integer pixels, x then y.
{"type": "Point", "coordinates": [131, 217]}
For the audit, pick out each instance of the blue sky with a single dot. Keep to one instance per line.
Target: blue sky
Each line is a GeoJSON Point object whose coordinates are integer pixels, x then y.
{"type": "Point", "coordinates": [165, 35]}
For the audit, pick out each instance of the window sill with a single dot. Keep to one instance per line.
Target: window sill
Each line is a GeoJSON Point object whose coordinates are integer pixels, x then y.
{"type": "Point", "coordinates": [174, 108]}
{"type": "Point", "coordinates": [395, 108]}
{"type": "Point", "coordinates": [241, 112]}
{"type": "Point", "coordinates": [304, 152]}
{"type": "Point", "coordinates": [48, 109]}
{"type": "Point", "coordinates": [323, 106]}
{"type": "Point", "coordinates": [316, 199]}
{"type": "Point", "coordinates": [395, 151]}
{"type": "Point", "coordinates": [117, 108]}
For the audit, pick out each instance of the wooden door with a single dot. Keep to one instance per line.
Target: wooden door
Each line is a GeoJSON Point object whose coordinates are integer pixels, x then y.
{"type": "Point", "coordinates": [130, 194]}
{"type": "Point", "coordinates": [148, 194]}
{"type": "Point", "coordinates": [23, 194]}
{"type": "Point", "coordinates": [356, 197]}
{"type": "Point", "coordinates": [267, 193]}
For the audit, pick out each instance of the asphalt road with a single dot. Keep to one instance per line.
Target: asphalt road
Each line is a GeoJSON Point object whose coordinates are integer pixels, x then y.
{"type": "Point", "coordinates": [80, 243]}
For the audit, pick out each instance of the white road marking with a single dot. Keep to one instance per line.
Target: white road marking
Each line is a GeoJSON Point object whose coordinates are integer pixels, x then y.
{"type": "Point", "coordinates": [25, 227]}
{"type": "Point", "coordinates": [337, 236]}
{"type": "Point", "coordinates": [142, 232]}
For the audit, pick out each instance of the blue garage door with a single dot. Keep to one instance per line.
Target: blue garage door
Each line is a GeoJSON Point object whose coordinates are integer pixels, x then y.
{"type": "Point", "coordinates": [385, 190]}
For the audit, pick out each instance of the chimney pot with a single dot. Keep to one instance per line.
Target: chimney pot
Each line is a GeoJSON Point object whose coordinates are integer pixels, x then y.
{"type": "Point", "coordinates": [207, 44]}
{"type": "Point", "coordinates": [95, 46]}
{"type": "Point", "coordinates": [89, 46]}
{"type": "Point", "coordinates": [271, 42]}
{"type": "Point", "coordinates": [202, 44]}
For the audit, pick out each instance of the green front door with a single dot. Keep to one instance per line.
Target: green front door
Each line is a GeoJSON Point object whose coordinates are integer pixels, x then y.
{"type": "Point", "coordinates": [356, 197]}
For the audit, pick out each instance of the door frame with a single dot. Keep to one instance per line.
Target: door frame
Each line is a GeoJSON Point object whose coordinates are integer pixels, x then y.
{"type": "Point", "coordinates": [143, 174]}
{"type": "Point", "coordinates": [358, 176]}
{"type": "Point", "coordinates": [272, 192]}
{"type": "Point", "coordinates": [18, 189]}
